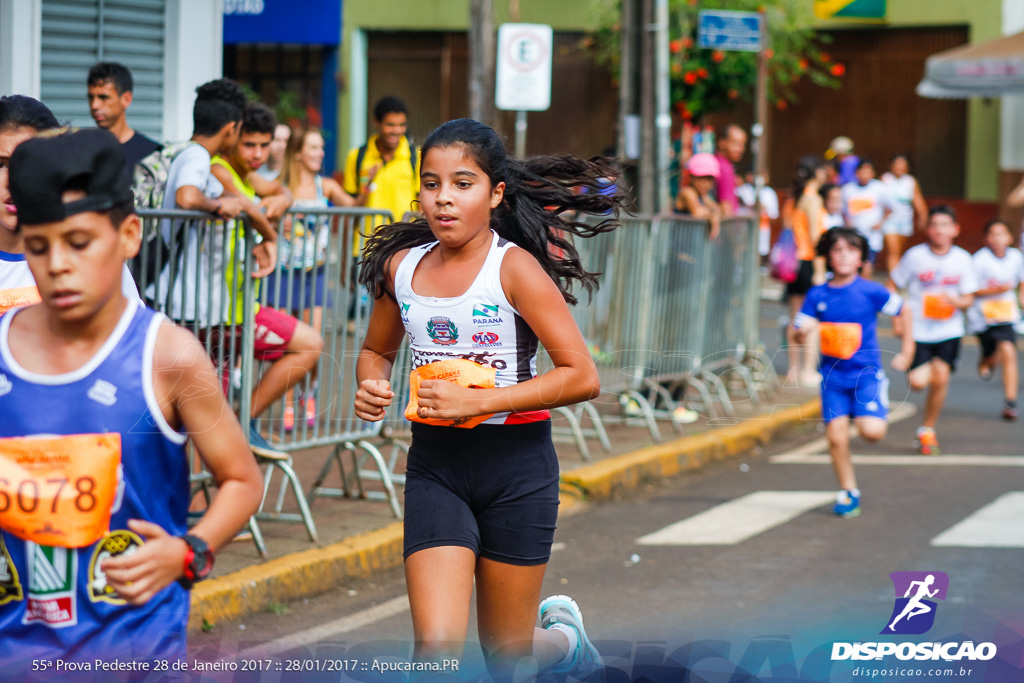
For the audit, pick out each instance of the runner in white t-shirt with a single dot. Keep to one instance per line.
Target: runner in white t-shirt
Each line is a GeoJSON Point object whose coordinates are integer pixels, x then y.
{"type": "Point", "coordinates": [1000, 272]}
{"type": "Point", "coordinates": [868, 204]}
{"type": "Point", "coordinates": [940, 284]}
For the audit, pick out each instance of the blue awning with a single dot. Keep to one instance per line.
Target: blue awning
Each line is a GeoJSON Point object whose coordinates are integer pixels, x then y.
{"type": "Point", "coordinates": [306, 22]}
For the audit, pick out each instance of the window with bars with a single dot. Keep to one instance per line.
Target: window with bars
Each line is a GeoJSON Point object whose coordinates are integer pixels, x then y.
{"type": "Point", "coordinates": [78, 33]}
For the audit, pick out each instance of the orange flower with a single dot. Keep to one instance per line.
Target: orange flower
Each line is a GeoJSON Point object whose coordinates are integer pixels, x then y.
{"type": "Point", "coordinates": [803, 63]}
{"type": "Point", "coordinates": [717, 56]}
{"type": "Point", "coordinates": [769, 53]}
{"type": "Point", "coordinates": [687, 114]}
{"type": "Point", "coordinates": [677, 69]}
{"type": "Point", "coordinates": [733, 93]}
{"type": "Point", "coordinates": [838, 69]}
{"type": "Point", "coordinates": [781, 104]}
{"type": "Point", "coordinates": [825, 58]}
{"type": "Point", "coordinates": [702, 73]}
{"type": "Point", "coordinates": [675, 46]}
{"type": "Point", "coordinates": [690, 78]}
{"type": "Point", "coordinates": [687, 42]}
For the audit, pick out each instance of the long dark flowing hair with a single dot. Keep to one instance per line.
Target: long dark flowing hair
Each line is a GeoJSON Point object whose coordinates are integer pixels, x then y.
{"type": "Point", "coordinates": [538, 212]}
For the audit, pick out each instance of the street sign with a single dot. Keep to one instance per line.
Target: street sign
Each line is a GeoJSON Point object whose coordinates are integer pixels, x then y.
{"type": "Point", "coordinates": [726, 30]}
{"type": "Point", "coordinates": [523, 77]}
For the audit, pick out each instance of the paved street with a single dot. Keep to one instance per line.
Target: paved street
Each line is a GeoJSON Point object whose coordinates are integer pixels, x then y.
{"type": "Point", "coordinates": [741, 566]}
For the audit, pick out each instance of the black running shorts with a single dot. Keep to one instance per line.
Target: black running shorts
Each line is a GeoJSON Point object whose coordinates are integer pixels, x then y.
{"type": "Point", "coordinates": [492, 489]}
{"type": "Point", "coordinates": [991, 337]}
{"type": "Point", "coordinates": [947, 350]}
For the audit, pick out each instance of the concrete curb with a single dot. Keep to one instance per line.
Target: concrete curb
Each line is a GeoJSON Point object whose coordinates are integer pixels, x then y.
{"type": "Point", "coordinates": [319, 569]}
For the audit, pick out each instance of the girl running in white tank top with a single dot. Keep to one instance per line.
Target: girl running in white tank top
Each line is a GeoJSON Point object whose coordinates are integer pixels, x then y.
{"type": "Point", "coordinates": [481, 503]}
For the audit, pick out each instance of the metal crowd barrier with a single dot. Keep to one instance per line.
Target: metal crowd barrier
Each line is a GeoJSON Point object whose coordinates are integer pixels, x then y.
{"type": "Point", "coordinates": [675, 319]}
{"type": "Point", "coordinates": [180, 271]}
{"type": "Point", "coordinates": [316, 281]}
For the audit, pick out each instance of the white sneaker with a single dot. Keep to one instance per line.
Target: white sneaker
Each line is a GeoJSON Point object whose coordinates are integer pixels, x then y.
{"type": "Point", "coordinates": [586, 663]}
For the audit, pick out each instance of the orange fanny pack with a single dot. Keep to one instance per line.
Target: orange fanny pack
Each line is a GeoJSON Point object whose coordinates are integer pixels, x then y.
{"type": "Point", "coordinates": [465, 373]}
{"type": "Point", "coordinates": [59, 490]}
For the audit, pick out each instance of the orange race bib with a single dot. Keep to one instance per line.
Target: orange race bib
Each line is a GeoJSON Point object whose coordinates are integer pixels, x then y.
{"type": "Point", "coordinates": [936, 307]}
{"type": "Point", "coordinates": [18, 296]}
{"type": "Point", "coordinates": [861, 204]}
{"type": "Point", "coordinates": [840, 340]}
{"type": "Point", "coordinates": [465, 373]}
{"type": "Point", "coordinates": [999, 311]}
{"type": "Point", "coordinates": [59, 490]}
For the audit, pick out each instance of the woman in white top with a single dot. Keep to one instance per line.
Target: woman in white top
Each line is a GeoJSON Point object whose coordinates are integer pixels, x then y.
{"type": "Point", "coordinates": [907, 201]}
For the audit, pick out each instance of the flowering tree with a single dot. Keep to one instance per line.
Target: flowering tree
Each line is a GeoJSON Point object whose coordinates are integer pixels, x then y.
{"type": "Point", "coordinates": [705, 81]}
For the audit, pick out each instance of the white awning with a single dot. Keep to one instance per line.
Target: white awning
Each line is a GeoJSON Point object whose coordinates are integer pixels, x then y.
{"type": "Point", "coordinates": [991, 69]}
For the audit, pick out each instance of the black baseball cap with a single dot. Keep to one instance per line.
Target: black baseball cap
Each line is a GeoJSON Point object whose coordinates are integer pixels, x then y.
{"type": "Point", "coordinates": [42, 168]}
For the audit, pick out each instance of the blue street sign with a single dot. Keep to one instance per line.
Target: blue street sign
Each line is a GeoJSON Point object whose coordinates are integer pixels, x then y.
{"type": "Point", "coordinates": [725, 30]}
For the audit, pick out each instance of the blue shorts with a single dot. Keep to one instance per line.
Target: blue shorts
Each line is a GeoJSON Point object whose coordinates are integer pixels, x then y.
{"type": "Point", "coordinates": [492, 489]}
{"type": "Point", "coordinates": [866, 395]}
{"type": "Point", "coordinates": [308, 289]}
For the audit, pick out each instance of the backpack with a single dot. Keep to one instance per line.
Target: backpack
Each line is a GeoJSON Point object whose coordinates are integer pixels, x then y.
{"type": "Point", "coordinates": [149, 181]}
{"type": "Point", "coordinates": [361, 154]}
{"type": "Point", "coordinates": [149, 184]}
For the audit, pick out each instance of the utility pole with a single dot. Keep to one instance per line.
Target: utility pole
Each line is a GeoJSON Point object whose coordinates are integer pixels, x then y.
{"type": "Point", "coordinates": [648, 137]}
{"type": "Point", "coordinates": [629, 100]}
{"type": "Point", "coordinates": [481, 59]}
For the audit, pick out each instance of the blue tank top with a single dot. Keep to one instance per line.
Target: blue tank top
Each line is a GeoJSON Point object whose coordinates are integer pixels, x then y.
{"type": "Point", "coordinates": [55, 601]}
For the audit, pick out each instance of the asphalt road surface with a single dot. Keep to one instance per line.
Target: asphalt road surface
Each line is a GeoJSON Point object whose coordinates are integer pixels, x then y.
{"type": "Point", "coordinates": [740, 572]}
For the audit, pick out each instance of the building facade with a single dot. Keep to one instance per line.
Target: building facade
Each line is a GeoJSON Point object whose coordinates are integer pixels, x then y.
{"type": "Point", "coordinates": [171, 47]}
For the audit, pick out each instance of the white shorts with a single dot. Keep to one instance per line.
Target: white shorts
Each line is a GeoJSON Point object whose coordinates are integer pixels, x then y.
{"type": "Point", "coordinates": [898, 227]}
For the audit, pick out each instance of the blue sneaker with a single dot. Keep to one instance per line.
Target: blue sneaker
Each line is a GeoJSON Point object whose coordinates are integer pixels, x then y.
{"type": "Point", "coordinates": [586, 661]}
{"type": "Point", "coordinates": [261, 447]}
{"type": "Point", "coordinates": [847, 505]}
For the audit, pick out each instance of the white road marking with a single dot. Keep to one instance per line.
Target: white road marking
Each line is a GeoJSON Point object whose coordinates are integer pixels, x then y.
{"type": "Point", "coordinates": [736, 521]}
{"type": "Point", "coordinates": [323, 632]}
{"type": "Point", "coordinates": [997, 525]}
{"type": "Point", "coordinates": [904, 459]}
{"type": "Point", "coordinates": [820, 445]}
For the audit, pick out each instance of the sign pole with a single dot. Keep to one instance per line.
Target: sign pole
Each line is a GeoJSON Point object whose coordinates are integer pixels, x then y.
{"type": "Point", "coordinates": [759, 131]}
{"type": "Point", "coordinates": [520, 134]}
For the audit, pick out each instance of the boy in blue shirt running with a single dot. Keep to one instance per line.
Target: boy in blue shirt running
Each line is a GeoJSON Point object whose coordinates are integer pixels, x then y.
{"type": "Point", "coordinates": [845, 310]}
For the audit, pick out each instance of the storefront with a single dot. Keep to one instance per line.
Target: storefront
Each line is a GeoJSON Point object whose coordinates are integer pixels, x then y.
{"type": "Point", "coordinates": [288, 55]}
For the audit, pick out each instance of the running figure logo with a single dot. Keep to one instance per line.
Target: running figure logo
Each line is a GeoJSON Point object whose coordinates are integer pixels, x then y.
{"type": "Point", "coordinates": [913, 613]}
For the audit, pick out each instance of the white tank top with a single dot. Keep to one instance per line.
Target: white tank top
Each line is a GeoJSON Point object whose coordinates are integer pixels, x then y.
{"type": "Point", "coordinates": [902, 191]}
{"type": "Point", "coordinates": [480, 325]}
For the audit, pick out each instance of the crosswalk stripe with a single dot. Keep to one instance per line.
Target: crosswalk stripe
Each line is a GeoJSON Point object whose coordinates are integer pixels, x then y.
{"type": "Point", "coordinates": [903, 459]}
{"type": "Point", "coordinates": [331, 629]}
{"type": "Point", "coordinates": [997, 525]}
{"type": "Point", "coordinates": [736, 521]}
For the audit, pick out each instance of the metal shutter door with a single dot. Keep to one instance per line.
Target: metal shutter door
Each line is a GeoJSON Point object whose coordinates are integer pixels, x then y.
{"type": "Point", "coordinates": [78, 33]}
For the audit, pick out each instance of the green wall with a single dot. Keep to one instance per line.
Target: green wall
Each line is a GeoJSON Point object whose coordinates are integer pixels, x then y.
{"type": "Point", "coordinates": [985, 20]}
{"type": "Point", "coordinates": [441, 15]}
{"type": "Point", "coordinates": [984, 17]}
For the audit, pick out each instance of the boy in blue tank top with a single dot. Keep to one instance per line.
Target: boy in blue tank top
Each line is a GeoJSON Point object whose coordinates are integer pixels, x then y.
{"type": "Point", "coordinates": [99, 395]}
{"type": "Point", "coordinates": [853, 384]}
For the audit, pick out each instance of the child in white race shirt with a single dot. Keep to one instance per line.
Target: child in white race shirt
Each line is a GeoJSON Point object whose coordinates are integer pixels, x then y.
{"type": "Point", "coordinates": [1000, 272]}
{"type": "Point", "coordinates": [940, 284]}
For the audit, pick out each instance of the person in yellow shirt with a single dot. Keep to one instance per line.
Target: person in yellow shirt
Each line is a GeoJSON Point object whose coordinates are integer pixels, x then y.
{"type": "Point", "coordinates": [387, 165]}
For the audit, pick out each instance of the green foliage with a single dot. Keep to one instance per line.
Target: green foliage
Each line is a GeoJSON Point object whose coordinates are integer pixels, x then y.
{"type": "Point", "coordinates": [277, 608]}
{"type": "Point", "coordinates": [287, 109]}
{"type": "Point", "coordinates": [705, 81]}
{"type": "Point", "coordinates": [207, 625]}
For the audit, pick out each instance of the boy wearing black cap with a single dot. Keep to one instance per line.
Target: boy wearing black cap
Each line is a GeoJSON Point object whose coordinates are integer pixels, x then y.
{"type": "Point", "coordinates": [99, 395]}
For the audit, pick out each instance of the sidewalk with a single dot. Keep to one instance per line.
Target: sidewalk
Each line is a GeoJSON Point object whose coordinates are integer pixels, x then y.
{"type": "Point", "coordinates": [359, 537]}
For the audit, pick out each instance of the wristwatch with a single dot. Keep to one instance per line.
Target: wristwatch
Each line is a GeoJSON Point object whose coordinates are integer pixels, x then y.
{"type": "Point", "coordinates": [198, 561]}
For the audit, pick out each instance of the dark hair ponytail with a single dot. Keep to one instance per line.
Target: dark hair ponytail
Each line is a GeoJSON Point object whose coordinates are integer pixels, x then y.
{"type": "Point", "coordinates": [539, 193]}
{"type": "Point", "coordinates": [20, 111]}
